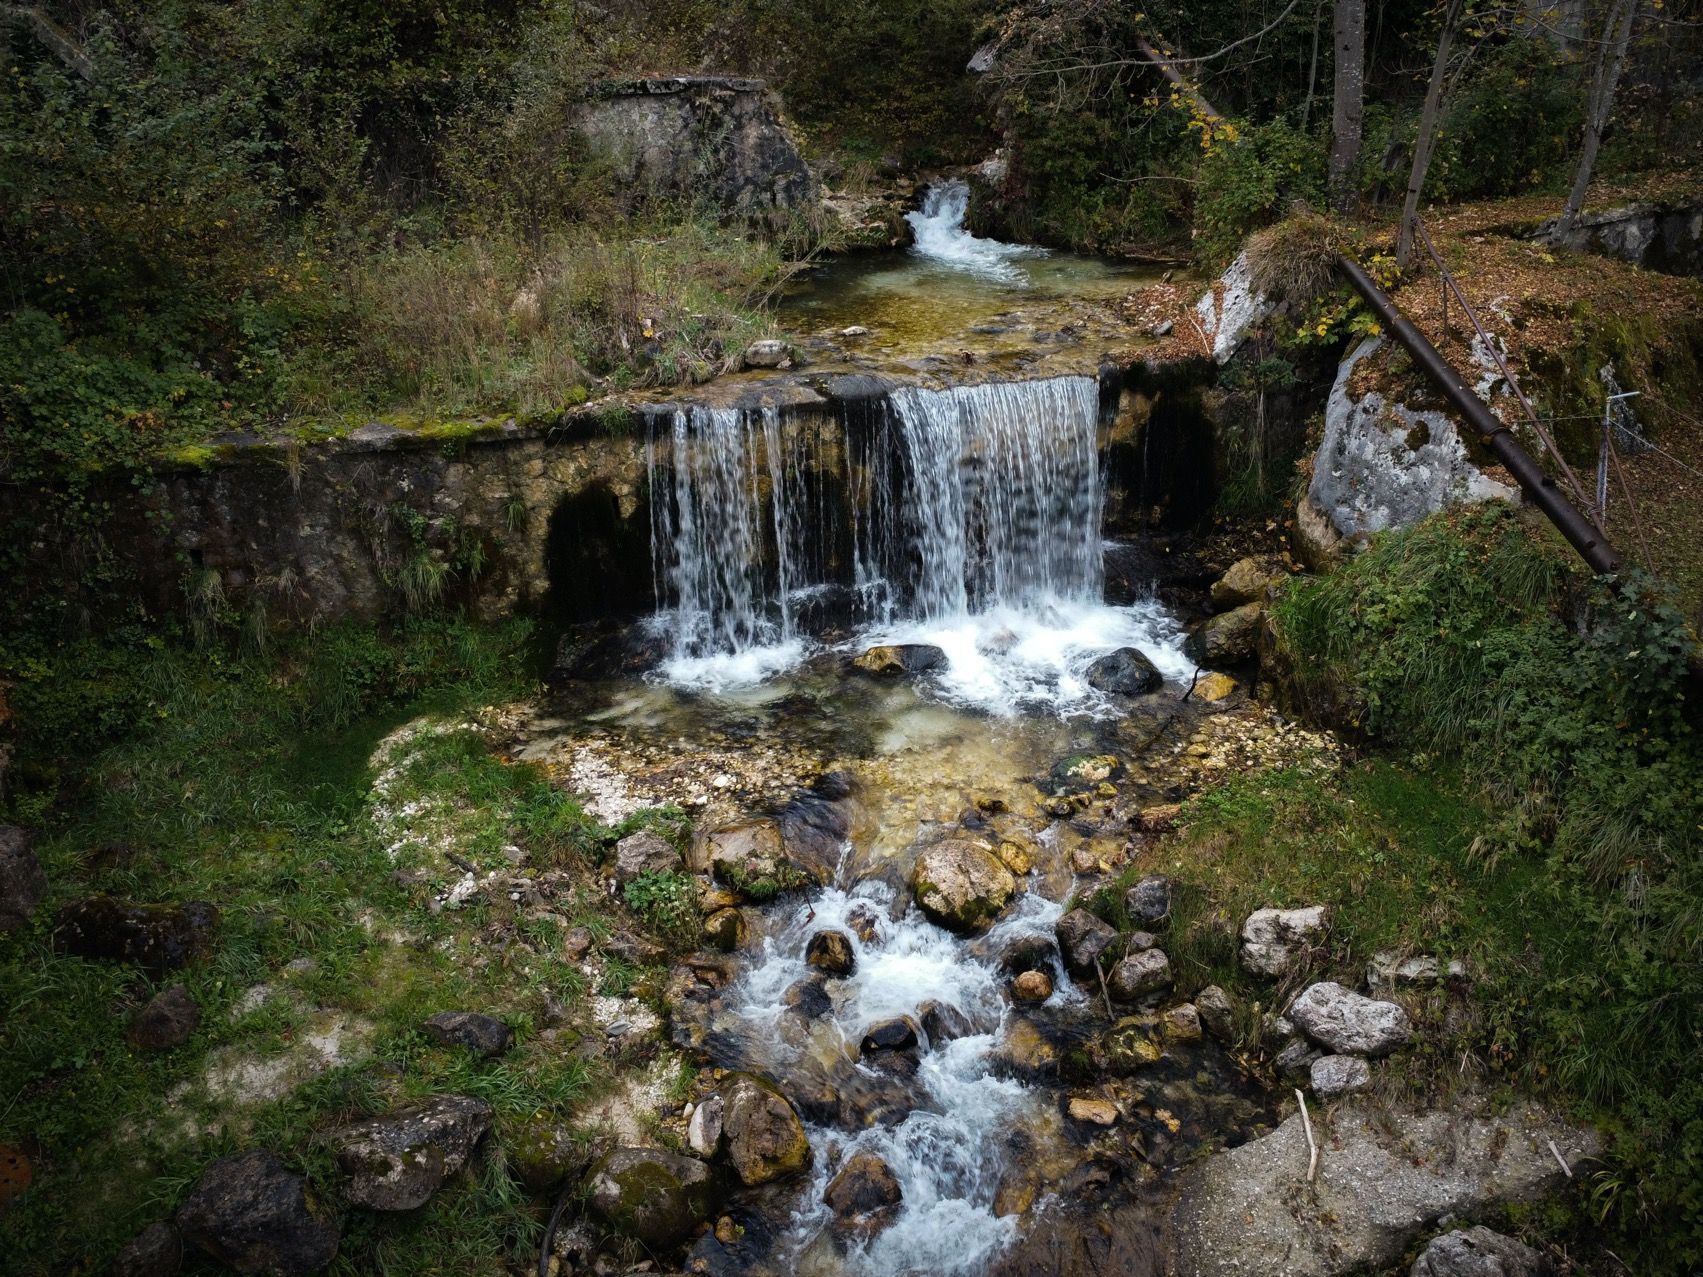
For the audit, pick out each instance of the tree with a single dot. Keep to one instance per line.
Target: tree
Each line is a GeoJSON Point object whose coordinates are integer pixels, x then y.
{"type": "Point", "coordinates": [1611, 56]}
{"type": "Point", "coordinates": [1350, 48]}
{"type": "Point", "coordinates": [1429, 115]}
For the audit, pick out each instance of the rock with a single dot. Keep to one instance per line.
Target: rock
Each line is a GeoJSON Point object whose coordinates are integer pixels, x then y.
{"type": "Point", "coordinates": [168, 1020]}
{"type": "Point", "coordinates": [396, 1162]}
{"type": "Point", "coordinates": [808, 998]}
{"type": "Point", "coordinates": [1214, 687]}
{"type": "Point", "coordinates": [655, 1197]}
{"type": "Point", "coordinates": [1335, 1075]}
{"type": "Point", "coordinates": [750, 857]}
{"type": "Point", "coordinates": [703, 1131]}
{"type": "Point", "coordinates": [765, 1139]}
{"type": "Point", "coordinates": [864, 1196]}
{"type": "Point", "coordinates": [155, 936]}
{"type": "Point", "coordinates": [1027, 953]}
{"type": "Point", "coordinates": [1163, 328]}
{"type": "Point", "coordinates": [1297, 1059]}
{"type": "Point", "coordinates": [1245, 582]}
{"type": "Point", "coordinates": [943, 1023]}
{"type": "Point", "coordinates": [726, 930]}
{"type": "Point", "coordinates": [831, 951]}
{"type": "Point", "coordinates": [577, 943]}
{"type": "Point", "coordinates": [1023, 1051]}
{"type": "Point", "coordinates": [1314, 538]}
{"type": "Point", "coordinates": [1139, 976]}
{"type": "Point", "coordinates": [1217, 1013]}
{"type": "Point", "coordinates": [644, 852]}
{"type": "Point", "coordinates": [1349, 1024]}
{"type": "Point", "coordinates": [1124, 672]}
{"type": "Point", "coordinates": [709, 139]}
{"type": "Point", "coordinates": [1272, 938]}
{"type": "Point", "coordinates": [1087, 1233]}
{"type": "Point", "coordinates": [544, 1152]}
{"type": "Point", "coordinates": [156, 1251]}
{"type": "Point", "coordinates": [1479, 1252]}
{"type": "Point", "coordinates": [1148, 903]}
{"type": "Point", "coordinates": [1093, 1110]}
{"type": "Point", "coordinates": [864, 922]}
{"type": "Point", "coordinates": [1381, 465]}
{"type": "Point", "coordinates": [1385, 1176]}
{"type": "Point", "coordinates": [1082, 938]}
{"type": "Point", "coordinates": [1231, 308]}
{"type": "Point", "coordinates": [961, 886]}
{"type": "Point", "coordinates": [1140, 942]}
{"type": "Point", "coordinates": [251, 1214]}
{"type": "Point", "coordinates": [766, 353]}
{"type": "Point", "coordinates": [22, 882]}
{"type": "Point", "coordinates": [893, 659]}
{"type": "Point", "coordinates": [483, 1035]}
{"type": "Point", "coordinates": [1181, 1023]}
{"type": "Point", "coordinates": [1084, 771]}
{"type": "Point", "coordinates": [1032, 986]}
{"type": "Point", "coordinates": [896, 1034]}
{"type": "Point", "coordinates": [1390, 970]}
{"type": "Point", "coordinates": [1226, 639]}
{"type": "Point", "coordinates": [1161, 818]}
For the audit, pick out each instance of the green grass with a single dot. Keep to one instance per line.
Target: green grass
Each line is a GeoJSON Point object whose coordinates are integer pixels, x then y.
{"type": "Point", "coordinates": [245, 780]}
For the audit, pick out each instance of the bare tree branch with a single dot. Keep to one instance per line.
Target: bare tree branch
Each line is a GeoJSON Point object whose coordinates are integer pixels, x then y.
{"type": "Point", "coordinates": [58, 40]}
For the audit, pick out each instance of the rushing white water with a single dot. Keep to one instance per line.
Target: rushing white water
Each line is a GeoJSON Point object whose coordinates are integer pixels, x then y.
{"type": "Point", "coordinates": [947, 1153]}
{"type": "Point", "coordinates": [939, 236]}
{"type": "Point", "coordinates": [967, 517]}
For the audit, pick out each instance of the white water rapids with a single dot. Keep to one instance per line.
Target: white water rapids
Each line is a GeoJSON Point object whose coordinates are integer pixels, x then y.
{"type": "Point", "coordinates": [938, 234]}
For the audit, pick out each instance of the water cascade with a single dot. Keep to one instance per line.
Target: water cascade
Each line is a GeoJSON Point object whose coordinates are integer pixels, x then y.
{"type": "Point", "coordinates": [938, 234]}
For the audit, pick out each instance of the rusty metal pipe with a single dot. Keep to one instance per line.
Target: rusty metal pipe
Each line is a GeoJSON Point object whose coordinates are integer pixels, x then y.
{"type": "Point", "coordinates": [1539, 488]}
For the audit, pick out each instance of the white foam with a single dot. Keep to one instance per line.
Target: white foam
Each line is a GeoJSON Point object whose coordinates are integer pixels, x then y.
{"type": "Point", "coordinates": [723, 672]}
{"type": "Point", "coordinates": [939, 235]}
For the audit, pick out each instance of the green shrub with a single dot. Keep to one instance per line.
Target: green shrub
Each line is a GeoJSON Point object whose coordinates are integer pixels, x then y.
{"type": "Point", "coordinates": [668, 903]}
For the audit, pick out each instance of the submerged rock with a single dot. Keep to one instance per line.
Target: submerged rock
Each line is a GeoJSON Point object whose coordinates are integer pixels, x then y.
{"type": "Point", "coordinates": [484, 1035]}
{"type": "Point", "coordinates": [398, 1161]}
{"type": "Point", "coordinates": [651, 1195]}
{"type": "Point", "coordinates": [1272, 939]}
{"type": "Point", "coordinates": [1082, 938]}
{"type": "Point", "coordinates": [764, 1138]}
{"type": "Point", "coordinates": [891, 660]}
{"type": "Point", "coordinates": [1124, 672]}
{"type": "Point", "coordinates": [808, 998]}
{"type": "Point", "coordinates": [1131, 1045]}
{"type": "Point", "coordinates": [831, 952]}
{"type": "Point", "coordinates": [167, 1021]}
{"type": "Point", "coordinates": [156, 936]}
{"type": "Point", "coordinates": [1348, 1023]}
{"type": "Point", "coordinates": [943, 1023]}
{"type": "Point", "coordinates": [1092, 1110]}
{"type": "Point", "coordinates": [896, 1034]}
{"type": "Point", "coordinates": [1479, 1252]}
{"type": "Point", "coordinates": [253, 1215]}
{"type": "Point", "coordinates": [961, 886]}
{"type": "Point", "coordinates": [22, 882]}
{"type": "Point", "coordinates": [864, 1196]}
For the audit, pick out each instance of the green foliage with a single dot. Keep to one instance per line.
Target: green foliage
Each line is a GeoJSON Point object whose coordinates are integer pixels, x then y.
{"type": "Point", "coordinates": [1252, 182]}
{"type": "Point", "coordinates": [668, 903]}
{"type": "Point", "coordinates": [1568, 700]}
{"type": "Point", "coordinates": [1514, 127]}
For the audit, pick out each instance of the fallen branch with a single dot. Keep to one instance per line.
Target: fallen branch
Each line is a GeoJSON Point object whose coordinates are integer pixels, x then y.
{"type": "Point", "coordinates": [1561, 1161]}
{"type": "Point", "coordinates": [1312, 1146]}
{"type": "Point", "coordinates": [1104, 991]}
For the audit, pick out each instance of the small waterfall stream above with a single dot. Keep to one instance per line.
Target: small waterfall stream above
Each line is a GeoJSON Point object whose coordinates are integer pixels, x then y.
{"type": "Point", "coordinates": [938, 228]}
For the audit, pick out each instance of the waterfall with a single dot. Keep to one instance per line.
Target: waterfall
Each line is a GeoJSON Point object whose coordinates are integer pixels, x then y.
{"type": "Point", "coordinates": [939, 235]}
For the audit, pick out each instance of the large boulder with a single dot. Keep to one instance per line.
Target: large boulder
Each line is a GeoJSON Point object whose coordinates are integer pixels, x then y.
{"type": "Point", "coordinates": [642, 852]}
{"type": "Point", "coordinates": [253, 1215]}
{"type": "Point", "coordinates": [1226, 639]}
{"type": "Point", "coordinates": [1348, 1023]}
{"type": "Point", "coordinates": [1382, 465]}
{"type": "Point", "coordinates": [1124, 672]}
{"type": "Point", "coordinates": [544, 1151]}
{"type": "Point", "coordinates": [1385, 1176]}
{"type": "Point", "coordinates": [750, 856]}
{"type": "Point", "coordinates": [156, 936]}
{"type": "Point", "coordinates": [765, 1139]}
{"type": "Point", "coordinates": [1082, 938]}
{"type": "Point", "coordinates": [864, 1196]}
{"type": "Point", "coordinates": [22, 882]}
{"type": "Point", "coordinates": [961, 885]}
{"type": "Point", "coordinates": [169, 1019]}
{"type": "Point", "coordinates": [1273, 939]}
{"type": "Point", "coordinates": [655, 1197]}
{"type": "Point", "coordinates": [1231, 308]}
{"type": "Point", "coordinates": [714, 140]}
{"type": "Point", "coordinates": [396, 1162]}
{"type": "Point", "coordinates": [1479, 1252]}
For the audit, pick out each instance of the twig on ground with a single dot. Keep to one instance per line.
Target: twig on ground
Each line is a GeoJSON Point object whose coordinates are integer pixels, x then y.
{"type": "Point", "coordinates": [1561, 1161]}
{"type": "Point", "coordinates": [1104, 991]}
{"type": "Point", "coordinates": [1312, 1146]}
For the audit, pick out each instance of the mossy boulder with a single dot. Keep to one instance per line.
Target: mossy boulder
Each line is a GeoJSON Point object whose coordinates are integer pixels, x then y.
{"type": "Point", "coordinates": [544, 1152]}
{"type": "Point", "coordinates": [749, 856]}
{"type": "Point", "coordinates": [655, 1197]}
{"type": "Point", "coordinates": [961, 885]}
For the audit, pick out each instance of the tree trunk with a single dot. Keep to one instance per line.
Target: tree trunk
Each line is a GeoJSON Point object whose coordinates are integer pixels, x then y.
{"type": "Point", "coordinates": [1350, 52]}
{"type": "Point", "coordinates": [1312, 69]}
{"type": "Point", "coordinates": [1182, 84]}
{"type": "Point", "coordinates": [1429, 117]}
{"type": "Point", "coordinates": [1611, 55]}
